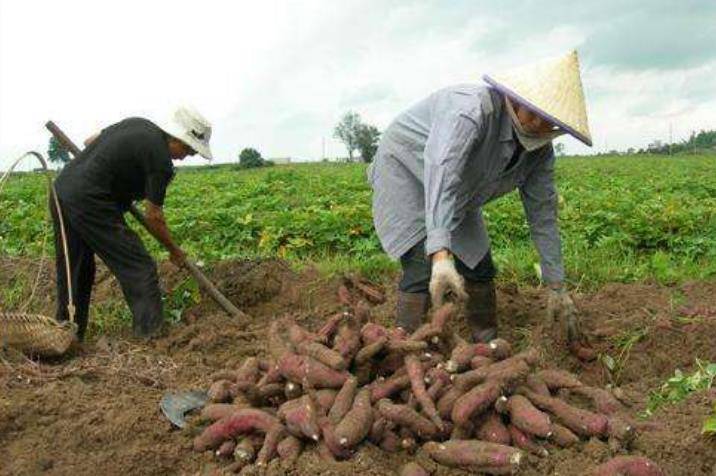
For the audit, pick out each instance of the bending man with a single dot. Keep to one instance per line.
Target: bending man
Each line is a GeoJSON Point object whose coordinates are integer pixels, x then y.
{"type": "Point", "coordinates": [441, 160]}
{"type": "Point", "coordinates": [127, 161]}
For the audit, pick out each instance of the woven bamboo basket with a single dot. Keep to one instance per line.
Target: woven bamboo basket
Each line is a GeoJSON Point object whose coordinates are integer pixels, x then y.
{"type": "Point", "coordinates": [35, 334]}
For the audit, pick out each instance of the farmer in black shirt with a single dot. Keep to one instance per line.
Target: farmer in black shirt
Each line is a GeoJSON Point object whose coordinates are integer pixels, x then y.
{"type": "Point", "coordinates": [127, 161]}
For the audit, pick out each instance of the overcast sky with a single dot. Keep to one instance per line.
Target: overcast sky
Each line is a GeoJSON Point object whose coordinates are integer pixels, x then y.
{"type": "Point", "coordinates": [277, 75]}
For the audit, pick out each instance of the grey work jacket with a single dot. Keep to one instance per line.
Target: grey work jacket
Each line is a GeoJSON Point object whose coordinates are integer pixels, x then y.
{"type": "Point", "coordinates": [441, 160]}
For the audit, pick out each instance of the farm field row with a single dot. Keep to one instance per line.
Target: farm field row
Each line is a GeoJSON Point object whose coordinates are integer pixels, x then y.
{"type": "Point", "coordinates": [622, 219]}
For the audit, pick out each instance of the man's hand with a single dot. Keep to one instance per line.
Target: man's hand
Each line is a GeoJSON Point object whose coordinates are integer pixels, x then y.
{"type": "Point", "coordinates": [445, 279]}
{"type": "Point", "coordinates": [561, 309]}
{"type": "Point", "coordinates": [157, 226]}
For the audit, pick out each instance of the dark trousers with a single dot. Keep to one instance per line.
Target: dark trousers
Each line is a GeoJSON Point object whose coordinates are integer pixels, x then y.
{"type": "Point", "coordinates": [417, 268]}
{"type": "Point", "coordinates": [101, 230]}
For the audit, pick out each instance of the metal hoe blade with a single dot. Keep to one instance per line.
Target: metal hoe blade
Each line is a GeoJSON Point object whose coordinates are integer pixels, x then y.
{"type": "Point", "coordinates": [175, 405]}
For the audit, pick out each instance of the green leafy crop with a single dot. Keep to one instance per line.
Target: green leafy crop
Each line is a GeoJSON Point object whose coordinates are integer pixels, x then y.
{"type": "Point", "coordinates": [622, 219]}
{"type": "Point", "coordinates": [681, 385]}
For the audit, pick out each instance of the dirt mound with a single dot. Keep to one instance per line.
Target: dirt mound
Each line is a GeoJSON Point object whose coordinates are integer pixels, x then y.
{"type": "Point", "coordinates": [98, 411]}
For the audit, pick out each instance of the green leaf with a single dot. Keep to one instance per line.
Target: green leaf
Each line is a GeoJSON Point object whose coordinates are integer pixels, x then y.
{"type": "Point", "coordinates": [709, 427]}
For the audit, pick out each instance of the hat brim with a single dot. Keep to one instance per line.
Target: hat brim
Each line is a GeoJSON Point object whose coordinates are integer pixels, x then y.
{"type": "Point", "coordinates": [199, 147]}
{"type": "Point", "coordinates": [524, 102]}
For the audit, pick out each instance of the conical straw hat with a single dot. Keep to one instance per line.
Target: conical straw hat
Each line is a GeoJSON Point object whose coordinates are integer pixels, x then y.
{"type": "Point", "coordinates": [552, 89]}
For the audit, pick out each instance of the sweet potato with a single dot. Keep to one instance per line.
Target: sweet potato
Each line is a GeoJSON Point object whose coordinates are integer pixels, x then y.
{"type": "Point", "coordinates": [492, 429]}
{"type": "Point", "coordinates": [406, 345]}
{"type": "Point", "coordinates": [443, 314]}
{"type": "Point", "coordinates": [344, 296]}
{"type": "Point", "coordinates": [405, 416]}
{"type": "Point", "coordinates": [462, 352]}
{"type": "Point", "coordinates": [435, 390]}
{"type": "Point", "coordinates": [298, 335]}
{"type": "Point", "coordinates": [475, 455]}
{"type": "Point", "coordinates": [347, 340]}
{"type": "Point", "coordinates": [331, 441]}
{"type": "Point", "coordinates": [371, 332]}
{"type": "Point", "coordinates": [272, 375]}
{"type": "Point", "coordinates": [413, 469]}
{"type": "Point", "coordinates": [268, 450]}
{"type": "Point", "coordinates": [377, 429]}
{"type": "Point", "coordinates": [425, 333]}
{"type": "Point", "coordinates": [602, 400]}
{"type": "Point", "coordinates": [356, 424]}
{"type": "Point", "coordinates": [289, 449]}
{"type": "Point", "coordinates": [249, 371]}
{"type": "Point", "coordinates": [325, 333]}
{"type": "Point", "coordinates": [390, 364]}
{"type": "Point", "coordinates": [523, 441]}
{"type": "Point", "coordinates": [295, 368]}
{"type": "Point", "coordinates": [628, 466]}
{"type": "Point", "coordinates": [322, 354]}
{"type": "Point", "coordinates": [240, 422]}
{"type": "Point", "coordinates": [245, 451]}
{"type": "Point", "coordinates": [217, 411]}
{"type": "Point", "coordinates": [556, 379]}
{"type": "Point", "coordinates": [500, 349]}
{"type": "Point", "coordinates": [580, 421]}
{"type": "Point", "coordinates": [462, 432]}
{"type": "Point", "coordinates": [620, 429]}
{"type": "Point", "coordinates": [226, 449]}
{"type": "Point", "coordinates": [583, 352]}
{"type": "Point", "coordinates": [480, 361]}
{"type": "Point", "coordinates": [415, 372]}
{"type": "Point", "coordinates": [386, 387]}
{"type": "Point", "coordinates": [537, 385]}
{"type": "Point", "coordinates": [433, 374]}
{"type": "Point", "coordinates": [447, 401]}
{"type": "Point", "coordinates": [324, 399]}
{"type": "Point", "coordinates": [261, 395]}
{"type": "Point", "coordinates": [475, 401]}
{"type": "Point", "coordinates": [508, 370]}
{"type": "Point", "coordinates": [562, 436]}
{"type": "Point", "coordinates": [369, 290]}
{"type": "Point", "coordinates": [390, 442]}
{"type": "Point", "coordinates": [525, 416]}
{"type": "Point", "coordinates": [369, 351]}
{"type": "Point", "coordinates": [361, 313]}
{"type": "Point", "coordinates": [301, 417]}
{"type": "Point", "coordinates": [224, 374]}
{"type": "Point", "coordinates": [343, 401]}
{"type": "Point", "coordinates": [220, 391]}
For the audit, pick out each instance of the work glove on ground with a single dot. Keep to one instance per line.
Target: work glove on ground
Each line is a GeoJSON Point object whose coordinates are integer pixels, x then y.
{"type": "Point", "coordinates": [561, 310]}
{"type": "Point", "coordinates": [446, 280]}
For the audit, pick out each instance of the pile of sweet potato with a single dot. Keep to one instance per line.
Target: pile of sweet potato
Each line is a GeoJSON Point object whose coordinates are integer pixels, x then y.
{"type": "Point", "coordinates": [478, 407]}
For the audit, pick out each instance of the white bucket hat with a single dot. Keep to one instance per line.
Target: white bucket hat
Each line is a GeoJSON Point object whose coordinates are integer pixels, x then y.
{"type": "Point", "coordinates": [190, 127]}
{"type": "Point", "coordinates": [551, 89]}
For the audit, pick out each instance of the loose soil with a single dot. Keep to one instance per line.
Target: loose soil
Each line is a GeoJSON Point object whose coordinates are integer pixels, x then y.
{"type": "Point", "coordinates": [97, 410]}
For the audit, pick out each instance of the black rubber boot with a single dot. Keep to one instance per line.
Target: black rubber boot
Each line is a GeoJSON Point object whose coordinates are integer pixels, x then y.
{"type": "Point", "coordinates": [481, 310]}
{"type": "Point", "coordinates": [412, 308]}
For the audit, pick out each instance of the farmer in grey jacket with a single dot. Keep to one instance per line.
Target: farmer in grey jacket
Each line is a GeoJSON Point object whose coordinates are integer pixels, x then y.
{"type": "Point", "coordinates": [441, 160]}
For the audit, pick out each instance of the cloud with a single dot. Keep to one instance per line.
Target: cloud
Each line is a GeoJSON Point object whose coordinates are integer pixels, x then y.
{"type": "Point", "coordinates": [278, 75]}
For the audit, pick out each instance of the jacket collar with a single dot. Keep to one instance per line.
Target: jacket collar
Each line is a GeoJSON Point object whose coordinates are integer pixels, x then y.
{"type": "Point", "coordinates": [506, 128]}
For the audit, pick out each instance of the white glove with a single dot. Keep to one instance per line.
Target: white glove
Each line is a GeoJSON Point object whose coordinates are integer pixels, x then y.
{"type": "Point", "coordinates": [561, 308]}
{"type": "Point", "coordinates": [445, 279]}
